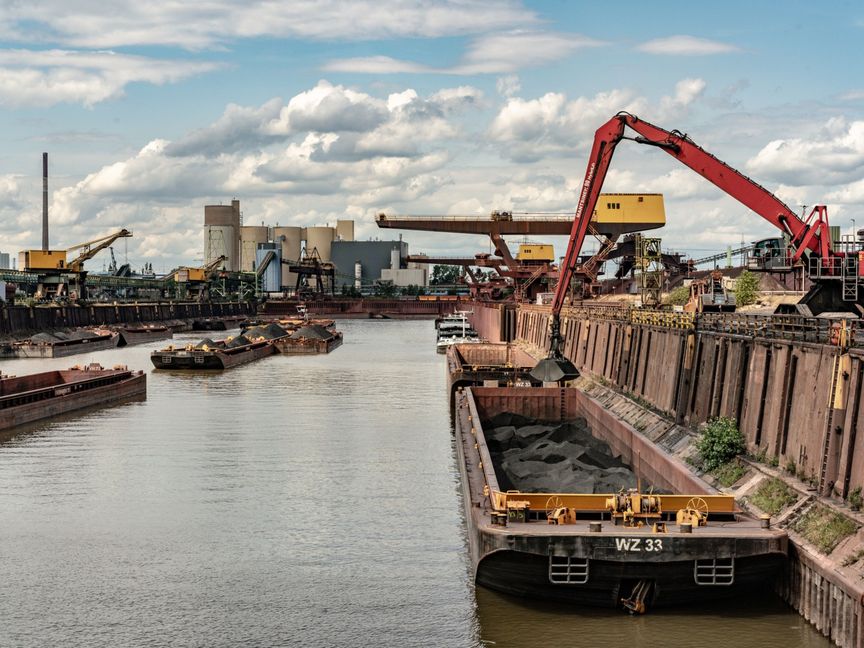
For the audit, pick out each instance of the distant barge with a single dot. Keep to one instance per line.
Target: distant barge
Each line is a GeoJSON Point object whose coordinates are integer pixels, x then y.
{"type": "Point", "coordinates": [309, 339]}
{"type": "Point", "coordinates": [143, 334]}
{"type": "Point", "coordinates": [30, 398]}
{"type": "Point", "coordinates": [489, 364]}
{"type": "Point", "coordinates": [210, 358]}
{"type": "Point", "coordinates": [626, 549]}
{"type": "Point", "coordinates": [59, 345]}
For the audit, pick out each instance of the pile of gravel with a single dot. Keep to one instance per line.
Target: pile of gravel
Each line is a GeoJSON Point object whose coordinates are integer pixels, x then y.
{"type": "Point", "coordinates": [553, 457]}
{"type": "Point", "coordinates": [311, 332]}
{"type": "Point", "coordinates": [269, 332]}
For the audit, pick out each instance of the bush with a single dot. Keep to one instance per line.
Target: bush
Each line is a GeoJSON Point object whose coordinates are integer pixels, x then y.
{"type": "Point", "coordinates": [855, 499]}
{"type": "Point", "coordinates": [678, 296]}
{"type": "Point", "coordinates": [720, 443]}
{"type": "Point", "coordinates": [746, 289]}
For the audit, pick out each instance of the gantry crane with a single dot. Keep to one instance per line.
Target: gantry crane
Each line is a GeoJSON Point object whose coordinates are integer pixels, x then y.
{"type": "Point", "coordinates": [809, 238]}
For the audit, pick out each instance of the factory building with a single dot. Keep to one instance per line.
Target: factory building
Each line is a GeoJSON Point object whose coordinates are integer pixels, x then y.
{"type": "Point", "coordinates": [4, 261]}
{"type": "Point", "coordinates": [359, 263]}
{"type": "Point", "coordinates": [364, 262]}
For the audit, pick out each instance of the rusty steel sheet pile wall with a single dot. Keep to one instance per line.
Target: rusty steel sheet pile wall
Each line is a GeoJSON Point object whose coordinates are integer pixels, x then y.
{"type": "Point", "coordinates": [15, 319]}
{"type": "Point", "coordinates": [795, 394]}
{"type": "Point", "coordinates": [495, 322]}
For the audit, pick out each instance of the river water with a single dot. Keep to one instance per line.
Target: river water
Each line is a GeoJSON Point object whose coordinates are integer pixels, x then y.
{"type": "Point", "coordinates": [295, 501]}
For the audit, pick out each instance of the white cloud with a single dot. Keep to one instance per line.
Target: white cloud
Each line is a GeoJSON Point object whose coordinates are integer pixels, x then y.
{"type": "Point", "coordinates": [836, 154]}
{"type": "Point", "coordinates": [686, 46]}
{"type": "Point", "coordinates": [508, 86]}
{"type": "Point", "coordinates": [48, 77]}
{"type": "Point", "coordinates": [489, 54]}
{"type": "Point", "coordinates": [83, 23]}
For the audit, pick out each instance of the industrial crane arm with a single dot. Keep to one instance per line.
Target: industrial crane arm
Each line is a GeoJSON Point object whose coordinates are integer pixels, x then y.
{"type": "Point", "coordinates": [811, 234]}
{"type": "Point", "coordinates": [92, 248]}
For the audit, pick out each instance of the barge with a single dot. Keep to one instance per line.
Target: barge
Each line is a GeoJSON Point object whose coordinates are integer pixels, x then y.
{"type": "Point", "coordinates": [628, 548]}
{"type": "Point", "coordinates": [132, 335]}
{"type": "Point", "coordinates": [309, 339]}
{"type": "Point", "coordinates": [489, 364]}
{"type": "Point", "coordinates": [26, 399]}
{"type": "Point", "coordinates": [61, 345]}
{"type": "Point", "coordinates": [256, 343]}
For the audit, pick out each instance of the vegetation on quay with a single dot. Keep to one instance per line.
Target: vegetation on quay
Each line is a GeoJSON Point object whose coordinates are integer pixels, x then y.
{"type": "Point", "coordinates": [773, 495]}
{"type": "Point", "coordinates": [728, 474]}
{"type": "Point", "coordinates": [720, 443]}
{"type": "Point", "coordinates": [824, 528]}
{"type": "Point", "coordinates": [678, 296]}
{"type": "Point", "coordinates": [746, 288]}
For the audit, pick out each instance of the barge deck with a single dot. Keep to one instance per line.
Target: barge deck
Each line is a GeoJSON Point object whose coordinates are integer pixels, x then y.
{"type": "Point", "coordinates": [26, 399]}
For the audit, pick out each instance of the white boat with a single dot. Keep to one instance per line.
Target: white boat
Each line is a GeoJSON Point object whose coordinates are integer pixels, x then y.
{"type": "Point", "coordinates": [454, 329]}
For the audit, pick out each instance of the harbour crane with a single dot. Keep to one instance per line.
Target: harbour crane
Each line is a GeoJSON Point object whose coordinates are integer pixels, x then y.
{"type": "Point", "coordinates": [92, 248]}
{"type": "Point", "coordinates": [809, 238]}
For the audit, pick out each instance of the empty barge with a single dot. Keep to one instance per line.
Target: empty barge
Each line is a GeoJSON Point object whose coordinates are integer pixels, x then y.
{"type": "Point", "coordinates": [26, 399]}
{"type": "Point", "coordinates": [625, 548]}
{"type": "Point", "coordinates": [502, 365]}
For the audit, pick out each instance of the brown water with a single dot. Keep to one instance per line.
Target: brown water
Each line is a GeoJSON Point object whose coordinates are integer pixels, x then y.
{"type": "Point", "coordinates": [302, 501]}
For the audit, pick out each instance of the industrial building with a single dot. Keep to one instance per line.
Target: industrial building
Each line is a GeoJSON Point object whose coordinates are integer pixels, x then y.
{"type": "Point", "coordinates": [4, 261]}
{"type": "Point", "coordinates": [357, 263]}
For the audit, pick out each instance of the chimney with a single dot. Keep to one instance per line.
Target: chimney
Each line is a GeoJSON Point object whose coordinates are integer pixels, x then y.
{"type": "Point", "coordinates": [45, 202]}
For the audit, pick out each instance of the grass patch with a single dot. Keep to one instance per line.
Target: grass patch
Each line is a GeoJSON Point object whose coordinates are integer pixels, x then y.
{"type": "Point", "coordinates": [729, 473]}
{"type": "Point", "coordinates": [824, 528]}
{"type": "Point", "coordinates": [772, 496]}
{"type": "Point", "coordinates": [853, 558]}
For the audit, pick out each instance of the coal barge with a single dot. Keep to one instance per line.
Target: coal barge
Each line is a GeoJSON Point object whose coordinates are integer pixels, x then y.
{"type": "Point", "coordinates": [623, 547]}
{"type": "Point", "coordinates": [502, 365]}
{"type": "Point", "coordinates": [216, 355]}
{"type": "Point", "coordinates": [26, 399]}
{"type": "Point", "coordinates": [61, 345]}
{"type": "Point", "coordinates": [309, 339]}
{"type": "Point", "coordinates": [143, 334]}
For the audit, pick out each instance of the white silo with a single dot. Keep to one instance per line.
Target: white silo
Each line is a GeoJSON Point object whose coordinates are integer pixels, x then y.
{"type": "Point", "coordinates": [320, 238]}
{"type": "Point", "coordinates": [290, 239]}
{"type": "Point", "coordinates": [222, 234]}
{"type": "Point", "coordinates": [250, 237]}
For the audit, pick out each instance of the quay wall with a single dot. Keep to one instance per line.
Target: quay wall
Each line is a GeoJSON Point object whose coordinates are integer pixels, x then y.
{"type": "Point", "coordinates": [17, 320]}
{"type": "Point", "coordinates": [794, 394]}
{"type": "Point", "coordinates": [793, 385]}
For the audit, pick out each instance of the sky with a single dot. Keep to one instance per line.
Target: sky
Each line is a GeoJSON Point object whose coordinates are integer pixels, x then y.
{"type": "Point", "coordinates": [312, 110]}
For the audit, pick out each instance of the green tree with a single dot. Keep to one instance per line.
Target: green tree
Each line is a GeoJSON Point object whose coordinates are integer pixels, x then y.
{"type": "Point", "coordinates": [444, 275]}
{"type": "Point", "coordinates": [678, 296]}
{"type": "Point", "coordinates": [746, 288]}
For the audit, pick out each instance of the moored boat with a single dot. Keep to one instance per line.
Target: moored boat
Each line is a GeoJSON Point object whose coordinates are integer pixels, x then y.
{"type": "Point", "coordinates": [60, 345]}
{"type": "Point", "coordinates": [25, 399]}
{"type": "Point", "coordinates": [131, 335]}
{"type": "Point", "coordinates": [618, 547]}
{"type": "Point", "coordinates": [209, 354]}
{"type": "Point", "coordinates": [309, 339]}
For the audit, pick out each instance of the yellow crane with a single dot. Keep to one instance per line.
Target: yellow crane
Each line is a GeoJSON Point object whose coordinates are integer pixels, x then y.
{"type": "Point", "coordinates": [92, 248]}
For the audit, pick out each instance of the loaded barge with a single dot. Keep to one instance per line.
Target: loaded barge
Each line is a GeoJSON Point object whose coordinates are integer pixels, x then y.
{"type": "Point", "coordinates": [680, 544]}
{"type": "Point", "coordinates": [253, 344]}
{"type": "Point", "coordinates": [60, 345]}
{"type": "Point", "coordinates": [488, 364]}
{"type": "Point", "coordinates": [30, 398]}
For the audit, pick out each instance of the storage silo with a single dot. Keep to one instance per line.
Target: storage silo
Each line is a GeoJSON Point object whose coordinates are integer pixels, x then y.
{"type": "Point", "coordinates": [320, 238]}
{"type": "Point", "coordinates": [222, 234]}
{"type": "Point", "coordinates": [271, 280]}
{"type": "Point", "coordinates": [290, 238]}
{"type": "Point", "coordinates": [344, 230]}
{"type": "Point", "coordinates": [250, 237]}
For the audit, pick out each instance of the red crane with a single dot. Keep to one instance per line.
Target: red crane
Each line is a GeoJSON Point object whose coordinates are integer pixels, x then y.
{"type": "Point", "coordinates": [810, 234]}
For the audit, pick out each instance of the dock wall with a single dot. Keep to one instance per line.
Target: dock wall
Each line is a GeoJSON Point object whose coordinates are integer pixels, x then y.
{"type": "Point", "coordinates": [15, 320]}
{"type": "Point", "coordinates": [796, 399]}
{"type": "Point", "coordinates": [794, 386]}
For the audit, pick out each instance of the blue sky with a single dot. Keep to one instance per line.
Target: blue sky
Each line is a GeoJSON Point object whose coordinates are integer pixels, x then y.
{"type": "Point", "coordinates": [312, 111]}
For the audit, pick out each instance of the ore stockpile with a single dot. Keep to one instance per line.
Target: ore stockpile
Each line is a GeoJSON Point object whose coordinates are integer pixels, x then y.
{"type": "Point", "coordinates": [537, 457]}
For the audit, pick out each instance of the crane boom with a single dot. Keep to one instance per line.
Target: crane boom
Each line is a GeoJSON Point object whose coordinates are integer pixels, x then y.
{"type": "Point", "coordinates": [91, 248]}
{"type": "Point", "coordinates": [811, 234]}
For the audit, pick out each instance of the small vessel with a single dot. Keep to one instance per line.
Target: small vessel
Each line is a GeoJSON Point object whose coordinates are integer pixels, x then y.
{"type": "Point", "coordinates": [33, 397]}
{"type": "Point", "coordinates": [455, 329]}
{"type": "Point", "coordinates": [209, 354]}
{"type": "Point", "coordinates": [60, 344]}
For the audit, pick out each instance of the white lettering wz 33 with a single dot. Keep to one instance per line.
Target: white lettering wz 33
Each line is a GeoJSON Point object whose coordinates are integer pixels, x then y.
{"type": "Point", "coordinates": [639, 544]}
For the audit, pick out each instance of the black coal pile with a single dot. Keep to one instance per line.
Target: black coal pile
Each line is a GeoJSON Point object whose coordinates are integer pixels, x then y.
{"type": "Point", "coordinates": [268, 332]}
{"type": "Point", "coordinates": [240, 340]}
{"type": "Point", "coordinates": [210, 344]}
{"type": "Point", "coordinates": [311, 332]}
{"type": "Point", "coordinates": [553, 457]}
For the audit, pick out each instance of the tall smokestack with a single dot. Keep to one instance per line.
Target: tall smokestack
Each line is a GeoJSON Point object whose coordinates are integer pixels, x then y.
{"type": "Point", "coordinates": [45, 202]}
